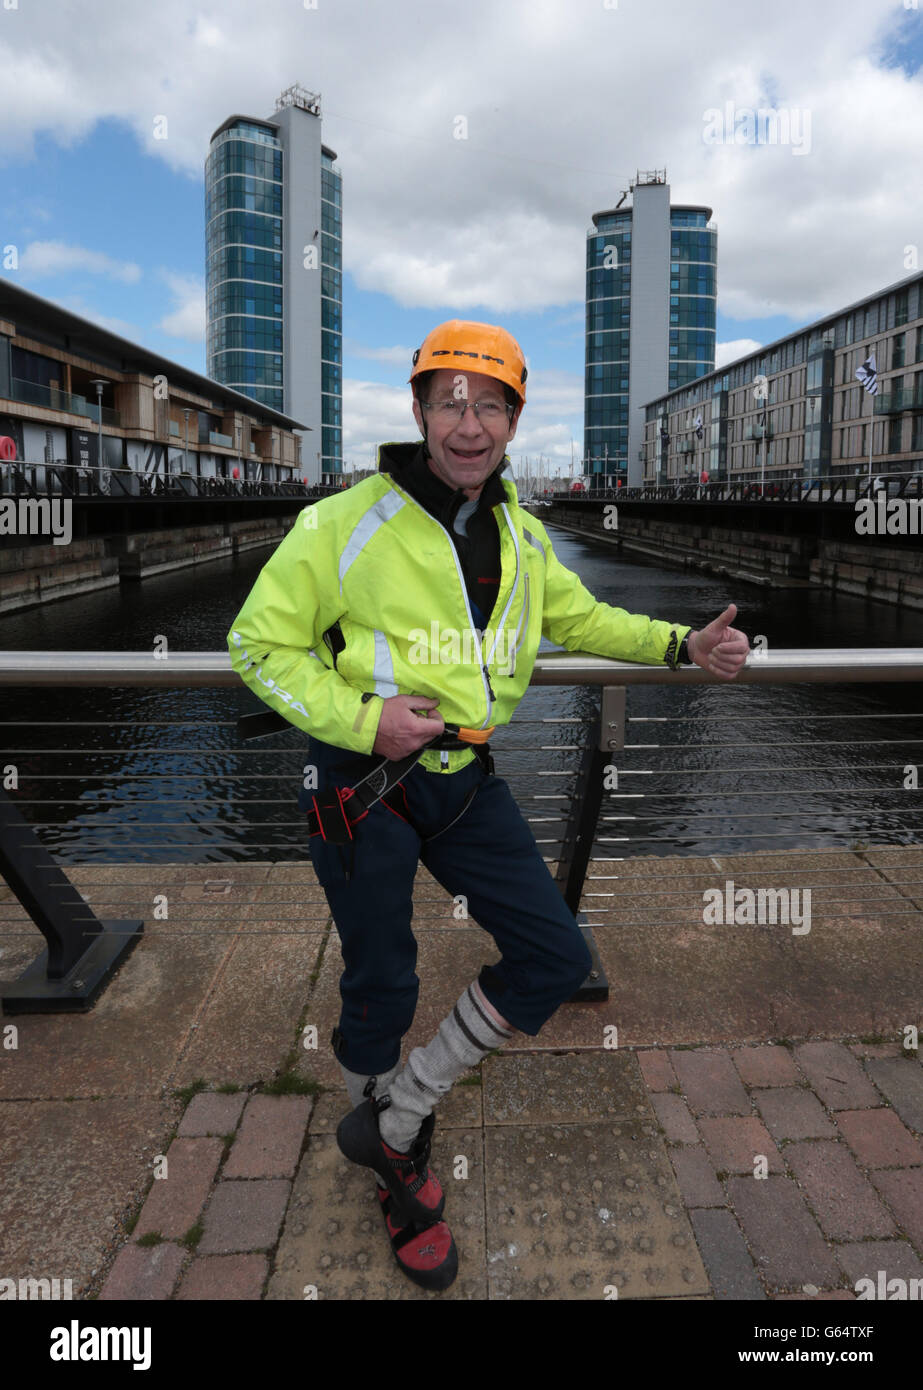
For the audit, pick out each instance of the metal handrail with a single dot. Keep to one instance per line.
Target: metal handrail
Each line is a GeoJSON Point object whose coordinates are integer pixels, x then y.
{"type": "Point", "coordinates": [18, 479]}
{"type": "Point", "coordinates": [845, 489]}
{"type": "Point", "coordinates": [782, 666]}
{"type": "Point", "coordinates": [83, 952]}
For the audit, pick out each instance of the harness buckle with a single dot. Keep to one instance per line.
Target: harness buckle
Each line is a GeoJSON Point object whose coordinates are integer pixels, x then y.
{"type": "Point", "coordinates": [331, 819]}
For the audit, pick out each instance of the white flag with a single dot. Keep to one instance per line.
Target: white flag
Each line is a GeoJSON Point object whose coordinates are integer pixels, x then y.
{"type": "Point", "coordinates": [698, 426]}
{"type": "Point", "coordinates": [868, 375]}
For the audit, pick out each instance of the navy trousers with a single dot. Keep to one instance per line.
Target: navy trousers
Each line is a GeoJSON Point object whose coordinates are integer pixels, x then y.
{"type": "Point", "coordinates": [489, 855]}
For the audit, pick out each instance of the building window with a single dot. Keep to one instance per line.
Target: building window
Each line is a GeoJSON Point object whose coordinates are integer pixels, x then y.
{"type": "Point", "coordinates": [897, 350]}
{"type": "Point", "coordinates": [916, 443]}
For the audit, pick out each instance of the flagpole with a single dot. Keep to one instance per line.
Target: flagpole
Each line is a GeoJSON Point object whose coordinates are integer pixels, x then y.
{"type": "Point", "coordinates": [872, 421]}
{"type": "Point", "coordinates": [868, 375]}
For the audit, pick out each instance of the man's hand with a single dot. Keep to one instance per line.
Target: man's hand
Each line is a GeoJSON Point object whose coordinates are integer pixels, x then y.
{"type": "Point", "coordinates": [400, 731]}
{"type": "Point", "coordinates": [720, 648]}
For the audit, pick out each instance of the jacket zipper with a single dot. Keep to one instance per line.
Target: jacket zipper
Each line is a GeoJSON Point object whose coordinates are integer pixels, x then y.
{"type": "Point", "coordinates": [509, 602]}
{"type": "Point", "coordinates": [523, 623]}
{"type": "Point", "coordinates": [485, 675]}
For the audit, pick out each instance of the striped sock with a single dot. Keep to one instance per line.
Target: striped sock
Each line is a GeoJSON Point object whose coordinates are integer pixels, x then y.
{"type": "Point", "coordinates": [463, 1040]}
{"type": "Point", "coordinates": [356, 1083]}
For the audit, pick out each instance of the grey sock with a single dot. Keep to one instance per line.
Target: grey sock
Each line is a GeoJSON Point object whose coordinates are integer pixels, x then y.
{"type": "Point", "coordinates": [356, 1082]}
{"type": "Point", "coordinates": [355, 1085]}
{"type": "Point", "coordinates": [463, 1040]}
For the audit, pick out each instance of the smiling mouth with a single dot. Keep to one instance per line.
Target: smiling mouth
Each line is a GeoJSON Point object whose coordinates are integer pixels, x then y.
{"type": "Point", "coordinates": [469, 455]}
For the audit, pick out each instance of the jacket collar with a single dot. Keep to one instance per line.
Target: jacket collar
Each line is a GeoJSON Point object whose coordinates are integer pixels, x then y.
{"type": "Point", "coordinates": [407, 464]}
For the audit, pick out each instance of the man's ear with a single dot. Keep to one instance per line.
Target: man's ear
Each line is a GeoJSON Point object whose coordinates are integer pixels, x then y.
{"type": "Point", "coordinates": [418, 415]}
{"type": "Point", "coordinates": [515, 421]}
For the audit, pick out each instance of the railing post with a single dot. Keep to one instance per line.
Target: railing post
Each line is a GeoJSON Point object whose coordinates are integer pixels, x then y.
{"type": "Point", "coordinates": [608, 737]}
{"type": "Point", "coordinates": [82, 952]}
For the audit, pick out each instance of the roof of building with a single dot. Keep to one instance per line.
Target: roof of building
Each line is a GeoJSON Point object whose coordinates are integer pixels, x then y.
{"type": "Point", "coordinates": [239, 116]}
{"type": "Point", "coordinates": [674, 207]}
{"type": "Point", "coordinates": [49, 323]}
{"type": "Point", "coordinates": [260, 120]}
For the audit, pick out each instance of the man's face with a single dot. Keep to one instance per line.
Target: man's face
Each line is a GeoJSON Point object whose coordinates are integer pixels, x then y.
{"type": "Point", "coordinates": [464, 452]}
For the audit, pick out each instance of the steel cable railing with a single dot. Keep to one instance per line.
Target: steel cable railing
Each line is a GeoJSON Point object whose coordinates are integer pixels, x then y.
{"type": "Point", "coordinates": [220, 797]}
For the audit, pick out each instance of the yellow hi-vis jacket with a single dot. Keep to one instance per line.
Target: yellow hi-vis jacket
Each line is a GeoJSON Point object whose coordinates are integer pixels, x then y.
{"type": "Point", "coordinates": [372, 559]}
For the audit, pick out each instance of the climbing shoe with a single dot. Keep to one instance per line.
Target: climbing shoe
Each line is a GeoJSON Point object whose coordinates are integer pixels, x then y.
{"type": "Point", "coordinates": [417, 1193]}
{"type": "Point", "coordinates": [426, 1254]}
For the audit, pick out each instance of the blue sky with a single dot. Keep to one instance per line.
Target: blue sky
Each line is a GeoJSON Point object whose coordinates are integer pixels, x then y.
{"type": "Point", "coordinates": [109, 221]}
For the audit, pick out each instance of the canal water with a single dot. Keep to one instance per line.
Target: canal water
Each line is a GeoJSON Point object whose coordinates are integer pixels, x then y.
{"type": "Point", "coordinates": [116, 775]}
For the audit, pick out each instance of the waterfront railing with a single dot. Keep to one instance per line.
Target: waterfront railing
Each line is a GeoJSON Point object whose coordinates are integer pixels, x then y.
{"type": "Point", "coordinates": [593, 791]}
{"type": "Point", "coordinates": [64, 480]}
{"type": "Point", "coordinates": [846, 489]}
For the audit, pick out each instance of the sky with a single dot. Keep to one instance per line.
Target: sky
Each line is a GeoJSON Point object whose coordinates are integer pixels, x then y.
{"type": "Point", "coordinates": [475, 142]}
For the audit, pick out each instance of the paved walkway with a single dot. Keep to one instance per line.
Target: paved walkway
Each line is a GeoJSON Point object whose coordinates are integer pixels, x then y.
{"type": "Point", "coordinates": [741, 1120]}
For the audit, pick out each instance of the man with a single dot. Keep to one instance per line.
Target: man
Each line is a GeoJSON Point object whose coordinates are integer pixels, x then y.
{"type": "Point", "coordinates": [413, 602]}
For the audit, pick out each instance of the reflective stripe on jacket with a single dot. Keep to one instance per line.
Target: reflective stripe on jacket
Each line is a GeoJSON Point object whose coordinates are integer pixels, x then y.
{"type": "Point", "coordinates": [372, 559]}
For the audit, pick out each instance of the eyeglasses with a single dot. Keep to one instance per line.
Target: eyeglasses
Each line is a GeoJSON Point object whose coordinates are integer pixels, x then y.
{"type": "Point", "coordinates": [486, 412]}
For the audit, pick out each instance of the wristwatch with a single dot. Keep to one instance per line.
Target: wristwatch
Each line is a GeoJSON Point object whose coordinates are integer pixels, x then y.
{"type": "Point", "coordinates": [675, 657]}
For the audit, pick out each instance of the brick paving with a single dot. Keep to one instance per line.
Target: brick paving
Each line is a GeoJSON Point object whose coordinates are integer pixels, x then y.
{"type": "Point", "coordinates": [842, 1195]}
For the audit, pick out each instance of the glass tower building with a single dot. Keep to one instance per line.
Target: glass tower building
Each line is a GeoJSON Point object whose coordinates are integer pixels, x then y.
{"type": "Point", "coordinates": [273, 201]}
{"type": "Point", "coordinates": [651, 297]}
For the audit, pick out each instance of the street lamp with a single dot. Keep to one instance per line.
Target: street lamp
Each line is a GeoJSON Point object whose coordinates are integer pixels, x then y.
{"type": "Point", "coordinates": [814, 462]}
{"type": "Point", "coordinates": [99, 383]}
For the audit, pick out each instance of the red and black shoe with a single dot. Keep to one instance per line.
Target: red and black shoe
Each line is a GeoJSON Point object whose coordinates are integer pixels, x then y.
{"type": "Point", "coordinates": [417, 1192]}
{"type": "Point", "coordinates": [426, 1254]}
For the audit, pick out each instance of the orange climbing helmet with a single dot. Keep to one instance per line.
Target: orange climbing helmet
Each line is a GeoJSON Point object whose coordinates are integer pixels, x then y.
{"type": "Point", "coordinates": [483, 347]}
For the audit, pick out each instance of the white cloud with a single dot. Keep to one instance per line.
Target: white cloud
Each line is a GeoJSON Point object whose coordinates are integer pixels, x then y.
{"type": "Point", "coordinates": [549, 447]}
{"type": "Point", "coordinates": [208, 35]}
{"type": "Point", "coordinates": [187, 317]}
{"type": "Point", "coordinates": [373, 415]}
{"type": "Point", "coordinates": [563, 103]}
{"type": "Point", "coordinates": [393, 356]}
{"type": "Point", "coordinates": [508, 260]}
{"type": "Point", "coordinates": [725, 353]}
{"type": "Point", "coordinates": [46, 258]}
{"type": "Point", "coordinates": [553, 392]}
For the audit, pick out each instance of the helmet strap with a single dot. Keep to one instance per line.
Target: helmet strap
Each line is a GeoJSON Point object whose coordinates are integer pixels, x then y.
{"type": "Point", "coordinates": [426, 452]}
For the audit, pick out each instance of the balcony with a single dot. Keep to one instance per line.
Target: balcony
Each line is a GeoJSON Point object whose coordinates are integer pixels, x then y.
{"type": "Point", "coordinates": [225, 440]}
{"type": "Point", "coordinates": [893, 402]}
{"type": "Point", "coordinates": [50, 398]}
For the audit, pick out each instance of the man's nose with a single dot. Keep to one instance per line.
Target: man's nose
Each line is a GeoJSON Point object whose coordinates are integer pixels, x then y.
{"type": "Point", "coordinates": [469, 423]}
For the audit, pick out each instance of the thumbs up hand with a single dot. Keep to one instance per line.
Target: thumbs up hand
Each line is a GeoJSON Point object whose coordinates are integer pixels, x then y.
{"type": "Point", "coordinates": [720, 648]}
